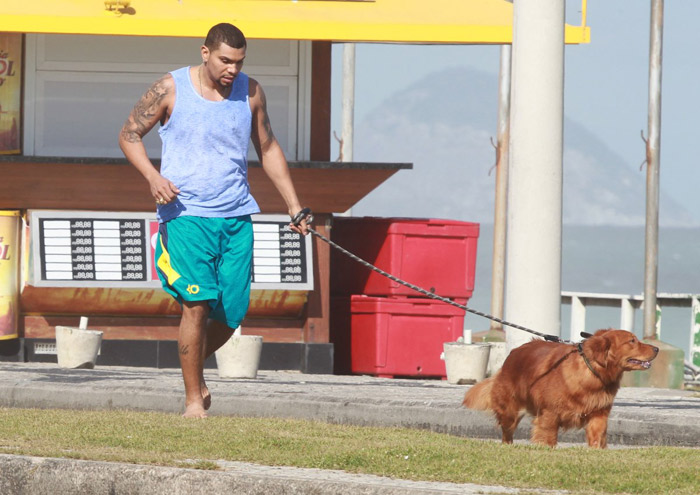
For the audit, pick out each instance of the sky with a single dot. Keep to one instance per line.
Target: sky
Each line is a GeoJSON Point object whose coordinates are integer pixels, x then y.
{"type": "Point", "coordinates": [606, 82]}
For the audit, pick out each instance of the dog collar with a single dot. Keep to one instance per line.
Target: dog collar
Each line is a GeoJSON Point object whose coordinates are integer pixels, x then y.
{"type": "Point", "coordinates": [579, 346]}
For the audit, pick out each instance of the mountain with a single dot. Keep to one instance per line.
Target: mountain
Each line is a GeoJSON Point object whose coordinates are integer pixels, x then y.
{"type": "Point", "coordinates": [445, 124]}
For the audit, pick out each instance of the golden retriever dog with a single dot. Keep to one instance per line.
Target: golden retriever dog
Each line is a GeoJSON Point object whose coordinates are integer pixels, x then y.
{"type": "Point", "coordinates": [561, 385]}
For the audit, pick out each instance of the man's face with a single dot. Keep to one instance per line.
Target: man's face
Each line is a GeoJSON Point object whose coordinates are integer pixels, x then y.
{"type": "Point", "coordinates": [223, 63]}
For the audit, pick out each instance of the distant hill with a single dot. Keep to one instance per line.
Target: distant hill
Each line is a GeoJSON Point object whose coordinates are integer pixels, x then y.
{"type": "Point", "coordinates": [444, 125]}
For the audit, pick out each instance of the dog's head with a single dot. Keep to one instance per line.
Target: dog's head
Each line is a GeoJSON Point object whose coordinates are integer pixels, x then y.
{"type": "Point", "coordinates": [619, 350]}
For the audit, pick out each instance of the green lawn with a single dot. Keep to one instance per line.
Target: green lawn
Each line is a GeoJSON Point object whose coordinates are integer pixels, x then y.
{"type": "Point", "coordinates": [169, 440]}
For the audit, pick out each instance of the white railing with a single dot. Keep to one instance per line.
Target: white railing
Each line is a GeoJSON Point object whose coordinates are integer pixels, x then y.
{"type": "Point", "coordinates": [628, 304]}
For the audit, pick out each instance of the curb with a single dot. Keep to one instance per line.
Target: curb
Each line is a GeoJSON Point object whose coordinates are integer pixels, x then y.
{"type": "Point", "coordinates": [47, 476]}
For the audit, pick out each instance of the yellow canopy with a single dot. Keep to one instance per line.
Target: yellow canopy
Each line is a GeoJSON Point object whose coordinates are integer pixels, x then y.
{"type": "Point", "coordinates": [400, 21]}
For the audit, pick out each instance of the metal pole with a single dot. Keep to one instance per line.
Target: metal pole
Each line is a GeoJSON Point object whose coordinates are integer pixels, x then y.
{"type": "Point", "coordinates": [346, 150]}
{"type": "Point", "coordinates": [499, 223]}
{"type": "Point", "coordinates": [653, 150]}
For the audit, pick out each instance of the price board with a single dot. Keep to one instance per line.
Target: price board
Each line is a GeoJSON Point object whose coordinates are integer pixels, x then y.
{"type": "Point", "coordinates": [111, 249]}
{"type": "Point", "coordinates": [91, 249]}
{"type": "Point", "coordinates": [280, 256]}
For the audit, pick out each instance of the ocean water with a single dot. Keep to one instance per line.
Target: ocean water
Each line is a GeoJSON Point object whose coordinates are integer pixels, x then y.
{"type": "Point", "coordinates": [609, 260]}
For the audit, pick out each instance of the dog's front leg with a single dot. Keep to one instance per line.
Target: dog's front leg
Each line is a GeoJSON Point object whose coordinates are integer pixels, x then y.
{"type": "Point", "coordinates": [597, 429]}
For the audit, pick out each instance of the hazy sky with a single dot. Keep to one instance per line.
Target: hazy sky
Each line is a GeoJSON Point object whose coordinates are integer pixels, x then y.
{"type": "Point", "coordinates": [606, 86]}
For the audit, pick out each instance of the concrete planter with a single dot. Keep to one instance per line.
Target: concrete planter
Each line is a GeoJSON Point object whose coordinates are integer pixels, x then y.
{"type": "Point", "coordinates": [77, 347]}
{"type": "Point", "coordinates": [466, 363]}
{"type": "Point", "coordinates": [497, 356]}
{"type": "Point", "coordinates": [239, 357]}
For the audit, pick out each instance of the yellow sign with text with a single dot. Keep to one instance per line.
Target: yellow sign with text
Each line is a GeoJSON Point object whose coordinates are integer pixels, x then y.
{"type": "Point", "coordinates": [9, 274]}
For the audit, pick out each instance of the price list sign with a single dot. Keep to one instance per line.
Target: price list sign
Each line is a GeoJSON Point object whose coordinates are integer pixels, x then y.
{"type": "Point", "coordinates": [83, 249]}
{"type": "Point", "coordinates": [92, 251]}
{"type": "Point", "coordinates": [281, 257]}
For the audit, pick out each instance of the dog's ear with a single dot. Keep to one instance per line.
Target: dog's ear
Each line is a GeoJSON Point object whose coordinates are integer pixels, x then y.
{"type": "Point", "coordinates": [598, 347]}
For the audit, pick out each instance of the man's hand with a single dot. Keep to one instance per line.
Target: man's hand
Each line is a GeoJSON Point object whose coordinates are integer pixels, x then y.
{"type": "Point", "coordinates": [301, 220]}
{"type": "Point", "coordinates": [299, 229]}
{"type": "Point", "coordinates": [163, 190]}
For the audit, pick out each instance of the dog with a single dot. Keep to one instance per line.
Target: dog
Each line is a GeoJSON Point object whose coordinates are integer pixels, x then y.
{"type": "Point", "coordinates": [562, 385]}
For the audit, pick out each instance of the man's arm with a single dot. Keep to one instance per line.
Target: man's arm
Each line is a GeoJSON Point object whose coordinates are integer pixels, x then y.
{"type": "Point", "coordinates": [148, 111]}
{"type": "Point", "coordinates": [270, 152]}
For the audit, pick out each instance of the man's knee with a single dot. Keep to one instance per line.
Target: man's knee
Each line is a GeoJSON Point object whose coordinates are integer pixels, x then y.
{"type": "Point", "coordinates": [198, 310]}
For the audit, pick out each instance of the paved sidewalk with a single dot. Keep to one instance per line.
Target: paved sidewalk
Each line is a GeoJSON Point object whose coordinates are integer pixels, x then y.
{"type": "Point", "coordinates": [640, 416]}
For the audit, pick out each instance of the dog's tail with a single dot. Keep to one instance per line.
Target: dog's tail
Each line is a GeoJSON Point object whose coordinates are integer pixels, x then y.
{"type": "Point", "coordinates": [479, 396]}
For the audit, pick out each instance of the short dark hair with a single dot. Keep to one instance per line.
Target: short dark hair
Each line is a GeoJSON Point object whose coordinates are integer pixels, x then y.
{"type": "Point", "coordinates": [225, 33]}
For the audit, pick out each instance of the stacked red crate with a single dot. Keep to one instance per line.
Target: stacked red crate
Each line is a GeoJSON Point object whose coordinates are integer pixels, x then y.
{"type": "Point", "coordinates": [381, 327]}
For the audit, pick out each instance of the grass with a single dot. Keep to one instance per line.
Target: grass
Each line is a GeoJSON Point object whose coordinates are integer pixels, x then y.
{"type": "Point", "coordinates": [169, 440]}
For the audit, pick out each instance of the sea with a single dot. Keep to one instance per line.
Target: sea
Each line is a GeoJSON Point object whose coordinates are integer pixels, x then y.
{"type": "Point", "coordinates": [609, 260]}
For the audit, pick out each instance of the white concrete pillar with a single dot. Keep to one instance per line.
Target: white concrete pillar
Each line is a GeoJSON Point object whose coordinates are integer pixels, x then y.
{"type": "Point", "coordinates": [348, 134]}
{"type": "Point", "coordinates": [627, 315]}
{"type": "Point", "coordinates": [498, 266]}
{"type": "Point", "coordinates": [578, 318]}
{"type": "Point", "coordinates": [533, 259]}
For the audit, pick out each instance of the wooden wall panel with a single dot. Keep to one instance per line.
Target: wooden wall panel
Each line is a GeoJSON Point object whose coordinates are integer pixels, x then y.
{"type": "Point", "coordinates": [156, 328]}
{"type": "Point", "coordinates": [317, 325]}
{"type": "Point", "coordinates": [138, 328]}
{"type": "Point", "coordinates": [117, 186]}
{"type": "Point", "coordinates": [321, 100]}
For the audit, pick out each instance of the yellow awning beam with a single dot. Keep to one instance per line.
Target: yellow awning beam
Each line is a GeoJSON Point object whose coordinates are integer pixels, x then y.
{"type": "Point", "coordinates": [383, 21]}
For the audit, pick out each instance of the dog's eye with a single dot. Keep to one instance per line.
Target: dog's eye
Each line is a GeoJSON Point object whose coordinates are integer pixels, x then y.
{"type": "Point", "coordinates": [633, 341]}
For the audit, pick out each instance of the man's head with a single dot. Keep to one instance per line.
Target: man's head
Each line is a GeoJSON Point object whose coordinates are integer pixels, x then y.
{"type": "Point", "coordinates": [223, 53]}
{"type": "Point", "coordinates": [225, 33]}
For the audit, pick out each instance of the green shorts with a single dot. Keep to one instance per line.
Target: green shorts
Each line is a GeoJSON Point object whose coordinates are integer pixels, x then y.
{"type": "Point", "coordinates": [208, 259]}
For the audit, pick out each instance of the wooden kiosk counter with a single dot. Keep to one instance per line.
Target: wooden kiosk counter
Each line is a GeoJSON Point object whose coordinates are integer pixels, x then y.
{"type": "Point", "coordinates": [139, 320]}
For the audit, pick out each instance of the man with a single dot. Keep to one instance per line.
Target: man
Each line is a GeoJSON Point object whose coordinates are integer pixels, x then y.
{"type": "Point", "coordinates": [208, 115]}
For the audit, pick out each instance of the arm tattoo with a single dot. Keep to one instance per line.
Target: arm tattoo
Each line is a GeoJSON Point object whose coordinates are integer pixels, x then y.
{"type": "Point", "coordinates": [184, 350]}
{"type": "Point", "coordinates": [141, 119]}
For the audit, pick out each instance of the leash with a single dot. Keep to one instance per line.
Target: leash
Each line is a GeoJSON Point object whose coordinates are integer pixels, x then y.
{"type": "Point", "coordinates": [306, 214]}
{"type": "Point", "coordinates": [579, 348]}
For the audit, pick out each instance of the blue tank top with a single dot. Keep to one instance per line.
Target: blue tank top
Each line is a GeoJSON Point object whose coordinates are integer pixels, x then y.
{"type": "Point", "coordinates": [205, 152]}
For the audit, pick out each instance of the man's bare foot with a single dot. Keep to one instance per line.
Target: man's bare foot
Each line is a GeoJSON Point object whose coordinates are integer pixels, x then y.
{"type": "Point", "coordinates": [195, 410]}
{"type": "Point", "coordinates": [206, 396]}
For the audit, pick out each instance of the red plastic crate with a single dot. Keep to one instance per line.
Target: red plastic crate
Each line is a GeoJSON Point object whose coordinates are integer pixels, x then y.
{"type": "Point", "coordinates": [400, 336]}
{"type": "Point", "coordinates": [437, 255]}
